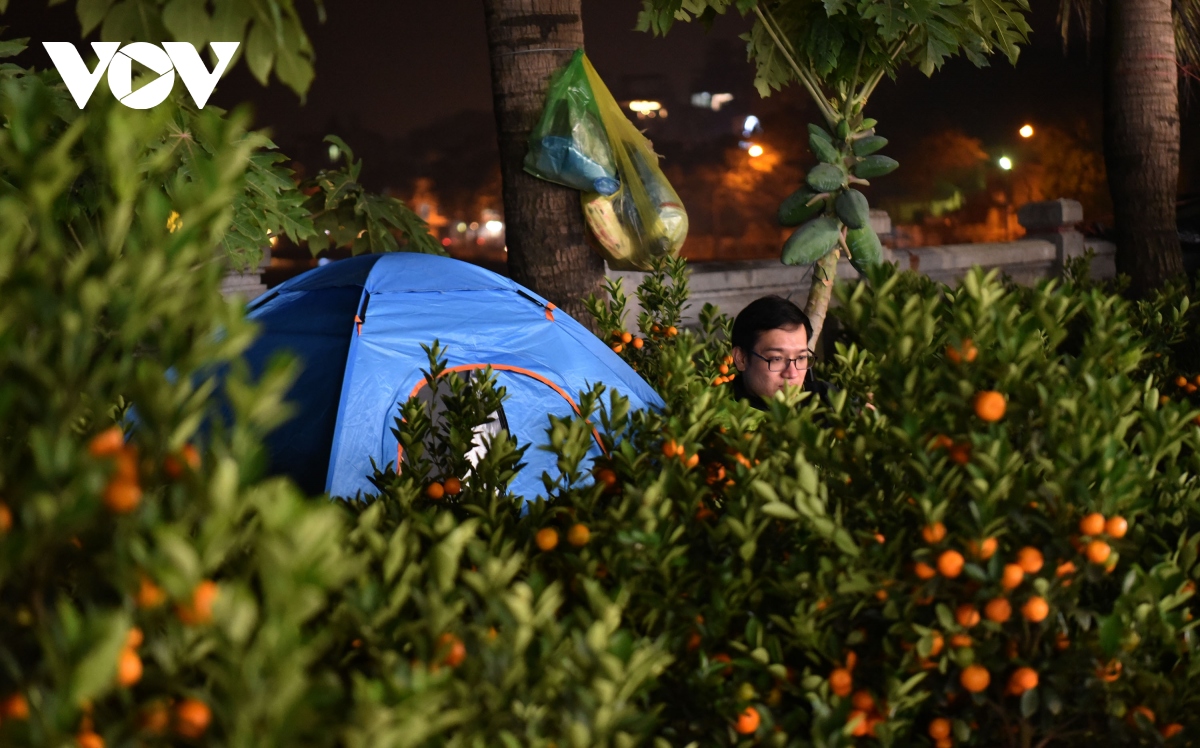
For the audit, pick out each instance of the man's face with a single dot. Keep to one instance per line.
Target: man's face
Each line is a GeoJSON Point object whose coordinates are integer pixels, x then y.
{"type": "Point", "coordinates": [781, 343]}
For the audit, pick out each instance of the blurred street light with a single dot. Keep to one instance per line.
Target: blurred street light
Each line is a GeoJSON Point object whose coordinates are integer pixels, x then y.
{"type": "Point", "coordinates": [647, 109]}
{"type": "Point", "coordinates": [1026, 131]}
{"type": "Point", "coordinates": [1005, 163]}
{"type": "Point", "coordinates": [755, 151]}
{"type": "Point", "coordinates": [713, 101]}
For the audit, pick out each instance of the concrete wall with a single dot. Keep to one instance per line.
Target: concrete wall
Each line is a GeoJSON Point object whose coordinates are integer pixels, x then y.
{"type": "Point", "coordinates": [1051, 240]}
{"type": "Point", "coordinates": [247, 286]}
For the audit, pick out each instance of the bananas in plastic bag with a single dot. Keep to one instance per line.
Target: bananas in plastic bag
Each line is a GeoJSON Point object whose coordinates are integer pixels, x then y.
{"type": "Point", "coordinates": [584, 141]}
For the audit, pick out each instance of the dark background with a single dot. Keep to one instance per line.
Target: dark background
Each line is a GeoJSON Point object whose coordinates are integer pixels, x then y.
{"type": "Point", "coordinates": [407, 85]}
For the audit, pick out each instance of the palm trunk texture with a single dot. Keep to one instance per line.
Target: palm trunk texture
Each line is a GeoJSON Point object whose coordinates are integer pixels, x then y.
{"type": "Point", "coordinates": [529, 40]}
{"type": "Point", "coordinates": [1141, 134]}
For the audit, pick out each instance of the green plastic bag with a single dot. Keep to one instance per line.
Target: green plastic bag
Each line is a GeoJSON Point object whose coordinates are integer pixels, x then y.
{"type": "Point", "coordinates": [584, 141]}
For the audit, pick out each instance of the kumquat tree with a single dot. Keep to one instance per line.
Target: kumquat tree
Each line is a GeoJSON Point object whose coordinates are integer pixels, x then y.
{"type": "Point", "coordinates": [1000, 552]}
{"type": "Point", "coordinates": [997, 548]}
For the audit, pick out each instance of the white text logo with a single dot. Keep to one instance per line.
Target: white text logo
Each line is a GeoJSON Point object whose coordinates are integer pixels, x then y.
{"type": "Point", "coordinates": [118, 60]}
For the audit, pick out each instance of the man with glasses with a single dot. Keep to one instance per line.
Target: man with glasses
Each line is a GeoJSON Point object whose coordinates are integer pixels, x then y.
{"type": "Point", "coordinates": [770, 351]}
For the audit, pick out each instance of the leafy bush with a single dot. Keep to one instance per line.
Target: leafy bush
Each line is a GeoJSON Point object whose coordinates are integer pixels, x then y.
{"type": "Point", "coordinates": [327, 209]}
{"type": "Point", "coordinates": [1015, 509]}
{"type": "Point", "coordinates": [153, 589]}
{"type": "Point", "coordinates": [110, 299]}
{"type": "Point", "coordinates": [817, 574]}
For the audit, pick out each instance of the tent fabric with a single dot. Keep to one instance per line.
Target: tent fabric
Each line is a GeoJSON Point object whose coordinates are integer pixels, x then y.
{"type": "Point", "coordinates": [354, 379]}
{"type": "Point", "coordinates": [311, 325]}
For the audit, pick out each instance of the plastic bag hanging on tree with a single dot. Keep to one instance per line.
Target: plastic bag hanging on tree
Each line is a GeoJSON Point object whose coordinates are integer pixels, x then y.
{"type": "Point", "coordinates": [569, 145]}
{"type": "Point", "coordinates": [633, 219]}
{"type": "Point", "coordinates": [648, 208]}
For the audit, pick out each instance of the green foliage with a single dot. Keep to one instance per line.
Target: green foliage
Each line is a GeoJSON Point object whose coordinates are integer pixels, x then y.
{"type": "Point", "coordinates": [1085, 431]}
{"type": "Point", "coordinates": [349, 216]}
{"type": "Point", "coordinates": [840, 51]}
{"type": "Point", "coordinates": [849, 46]}
{"type": "Point", "coordinates": [788, 541]}
{"type": "Point", "coordinates": [271, 35]}
{"type": "Point", "coordinates": [288, 621]}
{"type": "Point", "coordinates": [713, 560]}
{"type": "Point", "coordinates": [95, 315]}
{"type": "Point", "coordinates": [784, 543]}
{"type": "Point", "coordinates": [329, 209]}
{"type": "Point", "coordinates": [663, 298]}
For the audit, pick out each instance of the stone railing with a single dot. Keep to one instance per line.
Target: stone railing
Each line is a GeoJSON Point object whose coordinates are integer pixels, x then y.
{"type": "Point", "coordinates": [1051, 239]}
{"type": "Point", "coordinates": [248, 285]}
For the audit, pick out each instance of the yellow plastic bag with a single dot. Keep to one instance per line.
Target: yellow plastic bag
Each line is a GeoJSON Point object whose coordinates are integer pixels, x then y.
{"type": "Point", "coordinates": [608, 234]}
{"type": "Point", "coordinates": [634, 214]}
{"type": "Point", "coordinates": [648, 209]}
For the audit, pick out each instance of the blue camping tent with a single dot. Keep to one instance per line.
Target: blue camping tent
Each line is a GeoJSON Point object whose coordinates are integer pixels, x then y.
{"type": "Point", "coordinates": [357, 326]}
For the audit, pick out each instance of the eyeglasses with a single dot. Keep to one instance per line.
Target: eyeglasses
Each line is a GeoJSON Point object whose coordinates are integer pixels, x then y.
{"type": "Point", "coordinates": [779, 363]}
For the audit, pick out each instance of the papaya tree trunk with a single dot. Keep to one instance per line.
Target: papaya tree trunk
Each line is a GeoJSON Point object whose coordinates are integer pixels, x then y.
{"type": "Point", "coordinates": [1141, 139]}
{"type": "Point", "coordinates": [529, 40]}
{"type": "Point", "coordinates": [820, 293]}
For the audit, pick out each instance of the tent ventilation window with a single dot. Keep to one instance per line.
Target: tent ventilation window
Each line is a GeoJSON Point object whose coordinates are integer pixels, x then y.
{"type": "Point", "coordinates": [483, 432]}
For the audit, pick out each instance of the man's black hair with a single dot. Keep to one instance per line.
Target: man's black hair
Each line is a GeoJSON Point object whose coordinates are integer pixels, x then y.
{"type": "Point", "coordinates": [767, 313]}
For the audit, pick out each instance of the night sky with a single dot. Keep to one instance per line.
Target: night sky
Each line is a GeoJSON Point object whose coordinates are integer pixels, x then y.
{"type": "Point", "coordinates": [396, 69]}
{"type": "Point", "coordinates": [401, 69]}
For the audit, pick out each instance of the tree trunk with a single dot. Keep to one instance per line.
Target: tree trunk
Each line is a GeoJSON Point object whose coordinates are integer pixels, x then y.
{"type": "Point", "coordinates": [1141, 140]}
{"type": "Point", "coordinates": [820, 293]}
{"type": "Point", "coordinates": [529, 40]}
